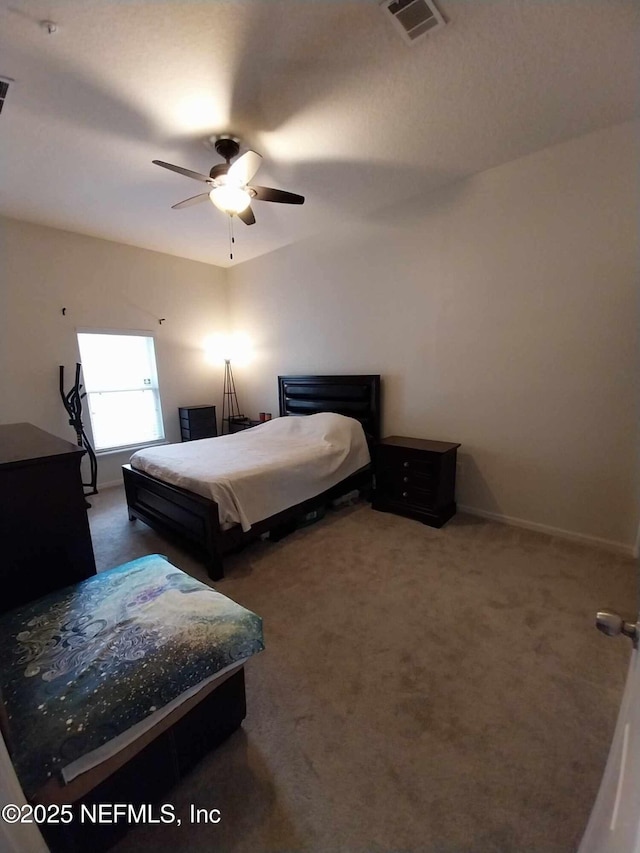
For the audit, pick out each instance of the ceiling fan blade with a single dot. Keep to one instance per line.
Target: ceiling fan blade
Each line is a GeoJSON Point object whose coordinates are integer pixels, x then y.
{"type": "Point", "coordinates": [186, 172]}
{"type": "Point", "coordinates": [195, 199]}
{"type": "Point", "coordinates": [244, 168]}
{"type": "Point", "coordinates": [270, 194]}
{"type": "Point", "coordinates": [247, 216]}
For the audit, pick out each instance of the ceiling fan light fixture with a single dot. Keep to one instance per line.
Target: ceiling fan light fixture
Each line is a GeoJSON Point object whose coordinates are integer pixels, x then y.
{"type": "Point", "coordinates": [229, 184]}
{"type": "Point", "coordinates": [230, 199]}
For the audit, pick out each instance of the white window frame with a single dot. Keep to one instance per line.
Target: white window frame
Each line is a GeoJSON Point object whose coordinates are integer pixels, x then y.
{"type": "Point", "coordinates": [140, 333]}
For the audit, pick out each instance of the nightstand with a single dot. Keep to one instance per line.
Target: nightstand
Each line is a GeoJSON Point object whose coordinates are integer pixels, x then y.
{"type": "Point", "coordinates": [416, 478]}
{"type": "Point", "coordinates": [197, 422]}
{"type": "Point", "coordinates": [240, 424]}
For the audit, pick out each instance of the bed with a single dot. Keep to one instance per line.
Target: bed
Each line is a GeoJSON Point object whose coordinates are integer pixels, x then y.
{"type": "Point", "coordinates": [195, 518]}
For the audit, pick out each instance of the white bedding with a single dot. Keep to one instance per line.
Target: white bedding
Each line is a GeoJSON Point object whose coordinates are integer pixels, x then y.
{"type": "Point", "coordinates": [256, 473]}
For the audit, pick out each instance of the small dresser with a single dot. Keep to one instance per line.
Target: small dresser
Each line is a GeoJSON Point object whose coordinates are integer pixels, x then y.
{"type": "Point", "coordinates": [416, 478]}
{"type": "Point", "coordinates": [197, 422]}
{"type": "Point", "coordinates": [44, 530]}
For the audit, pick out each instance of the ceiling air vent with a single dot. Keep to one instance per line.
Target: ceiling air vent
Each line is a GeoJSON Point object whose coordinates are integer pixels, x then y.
{"type": "Point", "coordinates": [4, 88]}
{"type": "Point", "coordinates": [413, 18]}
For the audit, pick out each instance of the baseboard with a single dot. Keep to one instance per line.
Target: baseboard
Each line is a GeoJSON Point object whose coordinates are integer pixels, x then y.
{"type": "Point", "coordinates": [607, 544]}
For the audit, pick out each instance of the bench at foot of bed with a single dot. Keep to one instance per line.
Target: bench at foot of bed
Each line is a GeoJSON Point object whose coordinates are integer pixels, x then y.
{"type": "Point", "coordinates": [114, 687]}
{"type": "Point", "coordinates": [148, 777]}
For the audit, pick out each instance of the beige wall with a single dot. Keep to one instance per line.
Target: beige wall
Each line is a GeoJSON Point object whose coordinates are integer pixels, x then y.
{"type": "Point", "coordinates": [502, 313]}
{"type": "Point", "coordinates": [102, 285]}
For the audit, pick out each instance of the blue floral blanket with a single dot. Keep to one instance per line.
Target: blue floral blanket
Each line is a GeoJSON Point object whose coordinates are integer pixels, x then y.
{"type": "Point", "coordinates": [82, 665]}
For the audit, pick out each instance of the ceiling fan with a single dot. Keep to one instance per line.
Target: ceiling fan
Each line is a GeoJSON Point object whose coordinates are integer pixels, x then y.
{"type": "Point", "coordinates": [228, 183]}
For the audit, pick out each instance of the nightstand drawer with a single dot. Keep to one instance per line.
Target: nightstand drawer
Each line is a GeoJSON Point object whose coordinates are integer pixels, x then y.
{"type": "Point", "coordinates": [401, 460]}
{"type": "Point", "coordinates": [399, 479]}
{"type": "Point", "coordinates": [240, 424]}
{"type": "Point", "coordinates": [406, 494]}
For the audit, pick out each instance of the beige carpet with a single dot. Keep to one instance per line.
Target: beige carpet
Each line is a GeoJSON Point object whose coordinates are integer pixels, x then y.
{"type": "Point", "coordinates": [421, 690]}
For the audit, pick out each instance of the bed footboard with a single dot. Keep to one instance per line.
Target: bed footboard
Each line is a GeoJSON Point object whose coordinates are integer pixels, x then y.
{"type": "Point", "coordinates": [169, 509]}
{"type": "Point", "coordinates": [195, 520]}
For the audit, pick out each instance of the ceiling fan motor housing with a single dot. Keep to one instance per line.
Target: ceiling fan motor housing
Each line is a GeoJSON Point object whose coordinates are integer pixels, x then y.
{"type": "Point", "coordinates": [227, 147]}
{"type": "Point", "coordinates": [220, 169]}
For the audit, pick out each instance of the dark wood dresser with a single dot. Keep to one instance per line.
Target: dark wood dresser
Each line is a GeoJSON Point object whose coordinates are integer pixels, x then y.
{"type": "Point", "coordinates": [416, 478]}
{"type": "Point", "coordinates": [45, 541]}
{"type": "Point", "coordinates": [197, 422]}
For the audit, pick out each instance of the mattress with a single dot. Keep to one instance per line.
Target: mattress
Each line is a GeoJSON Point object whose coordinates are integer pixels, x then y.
{"type": "Point", "coordinates": [86, 669]}
{"type": "Point", "coordinates": [259, 472]}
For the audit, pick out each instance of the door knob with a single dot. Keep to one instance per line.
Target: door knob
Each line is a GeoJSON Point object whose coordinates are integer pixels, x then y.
{"type": "Point", "coordinates": [612, 625]}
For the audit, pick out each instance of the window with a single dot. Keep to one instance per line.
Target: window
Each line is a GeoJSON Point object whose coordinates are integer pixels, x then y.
{"type": "Point", "coordinates": [121, 381]}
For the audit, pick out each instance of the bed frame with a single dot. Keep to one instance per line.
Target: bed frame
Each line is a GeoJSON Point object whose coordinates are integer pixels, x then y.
{"type": "Point", "coordinates": [194, 520]}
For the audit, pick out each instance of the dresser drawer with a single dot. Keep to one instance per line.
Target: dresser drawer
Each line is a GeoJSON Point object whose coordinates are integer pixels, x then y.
{"type": "Point", "coordinates": [198, 423]}
{"type": "Point", "coordinates": [195, 434]}
{"type": "Point", "coordinates": [199, 418]}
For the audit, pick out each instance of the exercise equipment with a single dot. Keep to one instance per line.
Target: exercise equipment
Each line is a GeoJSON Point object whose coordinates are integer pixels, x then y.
{"type": "Point", "coordinates": [72, 401]}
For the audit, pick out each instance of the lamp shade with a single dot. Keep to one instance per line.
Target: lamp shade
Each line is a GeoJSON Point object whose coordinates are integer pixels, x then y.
{"type": "Point", "coordinates": [235, 346]}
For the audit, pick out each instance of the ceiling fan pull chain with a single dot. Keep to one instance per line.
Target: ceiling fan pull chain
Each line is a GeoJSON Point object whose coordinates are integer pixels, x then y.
{"type": "Point", "coordinates": [233, 238]}
{"type": "Point", "coordinates": [230, 237]}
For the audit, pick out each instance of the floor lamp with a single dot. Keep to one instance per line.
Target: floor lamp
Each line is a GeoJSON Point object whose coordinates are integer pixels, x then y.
{"type": "Point", "coordinates": [230, 408]}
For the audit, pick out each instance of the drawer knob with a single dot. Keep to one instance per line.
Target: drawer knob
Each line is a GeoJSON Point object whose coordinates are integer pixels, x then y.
{"type": "Point", "coordinates": [405, 479]}
{"type": "Point", "coordinates": [405, 464]}
{"type": "Point", "coordinates": [405, 494]}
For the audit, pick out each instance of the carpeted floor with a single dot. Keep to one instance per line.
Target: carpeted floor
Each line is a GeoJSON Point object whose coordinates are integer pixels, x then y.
{"type": "Point", "coordinates": [421, 690]}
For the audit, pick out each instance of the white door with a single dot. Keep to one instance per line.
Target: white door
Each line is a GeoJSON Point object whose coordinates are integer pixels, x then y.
{"type": "Point", "coordinates": [15, 837]}
{"type": "Point", "coordinates": [614, 825]}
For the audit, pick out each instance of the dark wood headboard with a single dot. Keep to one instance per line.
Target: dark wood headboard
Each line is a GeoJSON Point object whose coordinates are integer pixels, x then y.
{"type": "Point", "coordinates": [354, 396]}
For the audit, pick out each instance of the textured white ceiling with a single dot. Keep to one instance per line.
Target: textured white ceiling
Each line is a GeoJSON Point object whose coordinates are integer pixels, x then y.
{"type": "Point", "coordinates": [341, 109]}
